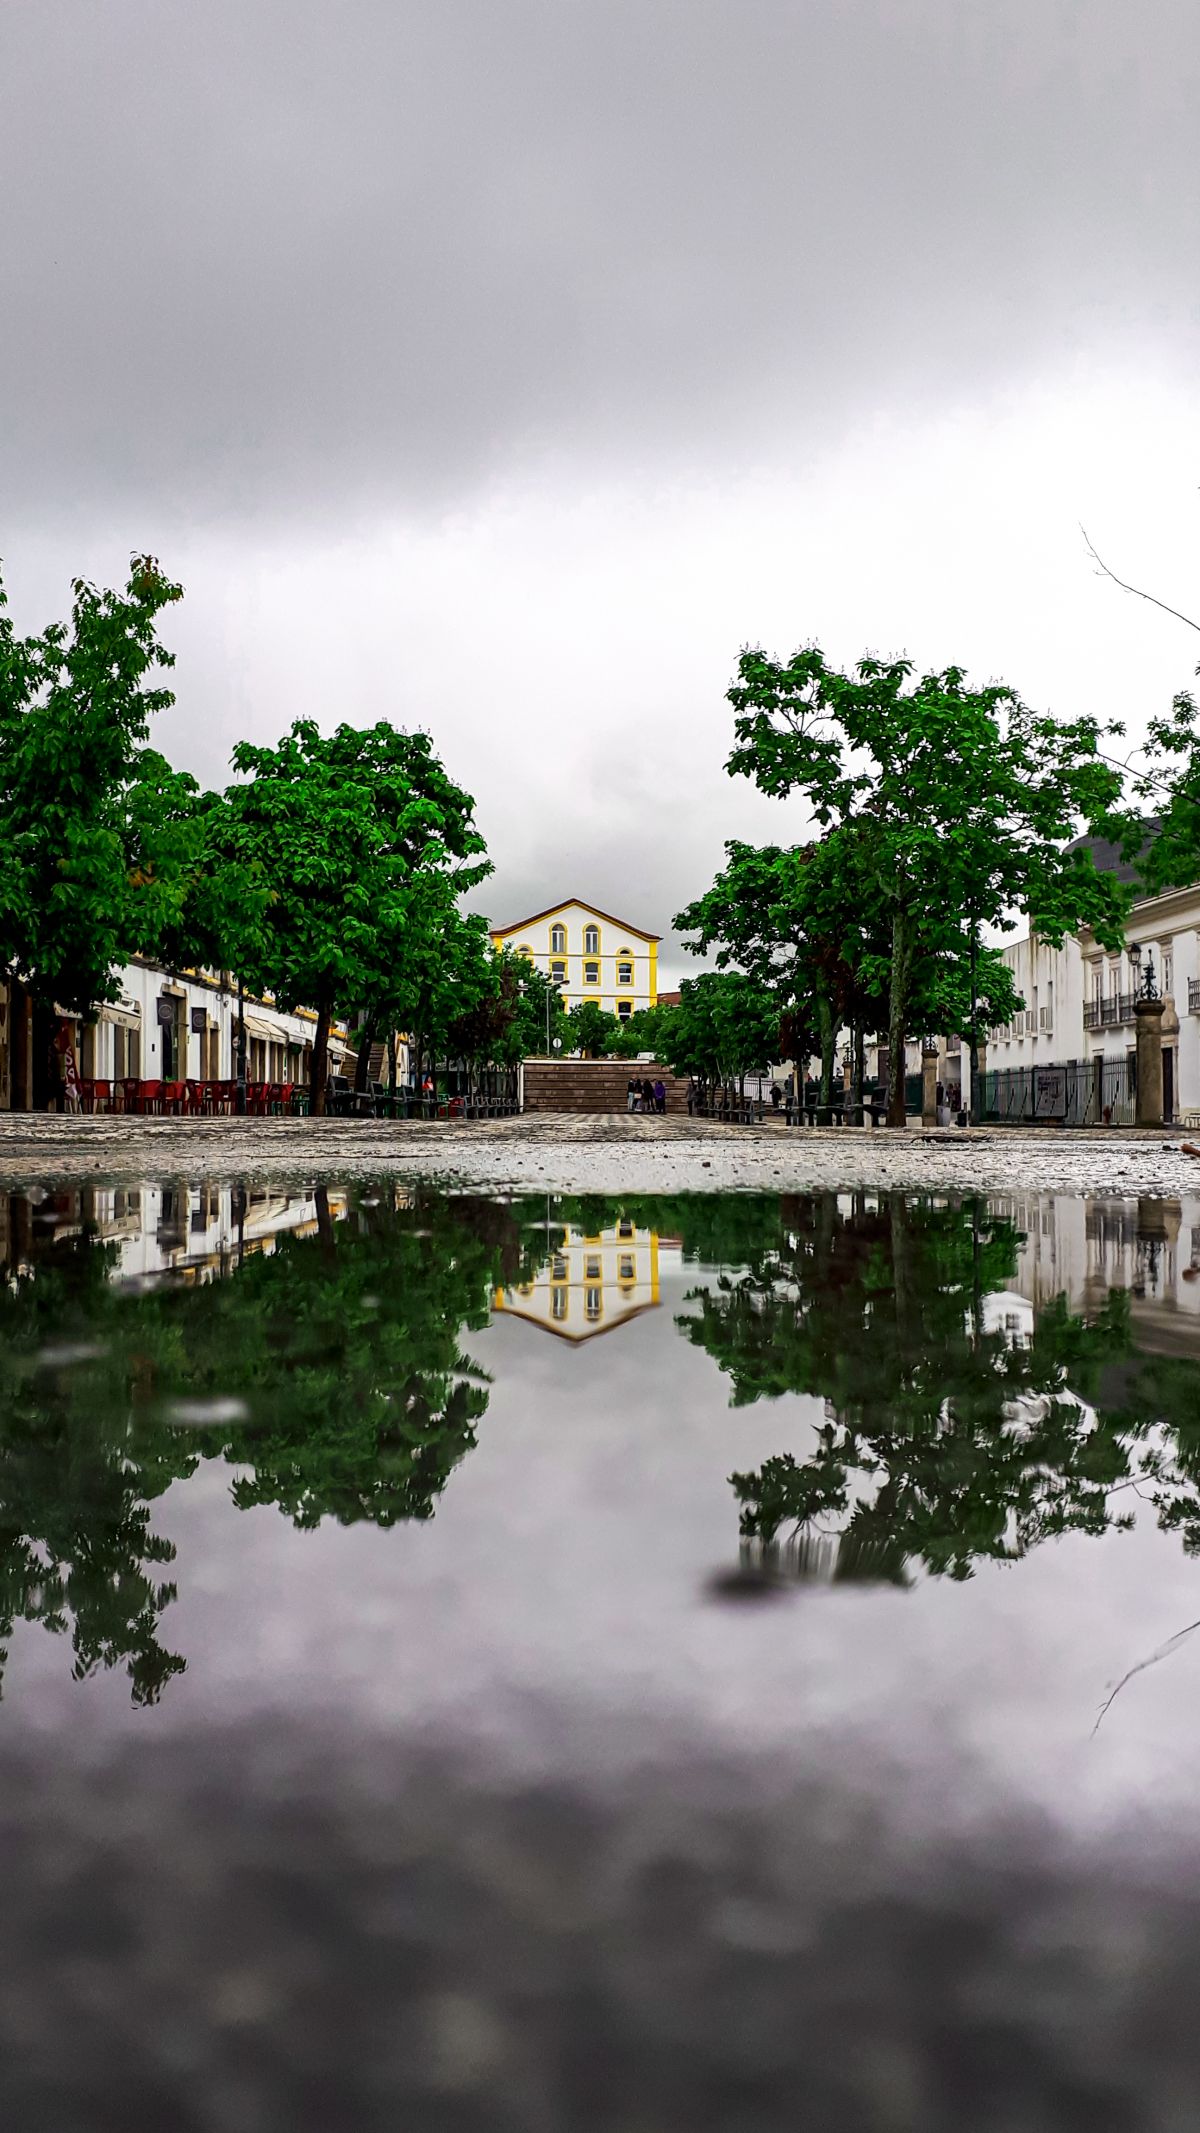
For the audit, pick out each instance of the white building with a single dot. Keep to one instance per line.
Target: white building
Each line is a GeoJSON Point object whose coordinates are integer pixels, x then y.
{"type": "Point", "coordinates": [181, 1027]}
{"type": "Point", "coordinates": [1079, 999]}
{"type": "Point", "coordinates": [589, 955]}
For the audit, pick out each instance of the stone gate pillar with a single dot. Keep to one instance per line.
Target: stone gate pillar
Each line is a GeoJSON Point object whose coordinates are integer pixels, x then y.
{"type": "Point", "coordinates": [929, 1080]}
{"type": "Point", "coordinates": [1149, 1062]}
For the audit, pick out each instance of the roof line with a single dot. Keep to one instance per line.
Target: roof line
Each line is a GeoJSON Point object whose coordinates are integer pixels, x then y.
{"type": "Point", "coordinates": [595, 911]}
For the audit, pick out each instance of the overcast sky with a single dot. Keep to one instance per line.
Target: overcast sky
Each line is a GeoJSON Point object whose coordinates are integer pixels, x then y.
{"type": "Point", "coordinates": [504, 366]}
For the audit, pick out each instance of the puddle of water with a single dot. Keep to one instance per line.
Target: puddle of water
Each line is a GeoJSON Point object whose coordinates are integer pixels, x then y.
{"type": "Point", "coordinates": [819, 1530]}
{"type": "Point", "coordinates": [618, 1419]}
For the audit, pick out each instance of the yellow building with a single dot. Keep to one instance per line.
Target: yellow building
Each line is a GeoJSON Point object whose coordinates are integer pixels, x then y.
{"type": "Point", "coordinates": [590, 1284]}
{"type": "Point", "coordinates": [589, 955]}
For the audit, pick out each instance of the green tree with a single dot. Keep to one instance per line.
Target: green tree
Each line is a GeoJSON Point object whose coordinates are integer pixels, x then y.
{"type": "Point", "coordinates": [962, 801]}
{"type": "Point", "coordinates": [648, 1033]}
{"type": "Point", "coordinates": [590, 1030]}
{"type": "Point", "coordinates": [86, 874]}
{"type": "Point", "coordinates": [727, 1026]}
{"type": "Point", "coordinates": [359, 836]}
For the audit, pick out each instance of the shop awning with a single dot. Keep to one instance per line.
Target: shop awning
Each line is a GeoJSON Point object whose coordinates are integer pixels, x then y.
{"type": "Point", "coordinates": [123, 1017]}
{"type": "Point", "coordinates": [268, 1031]}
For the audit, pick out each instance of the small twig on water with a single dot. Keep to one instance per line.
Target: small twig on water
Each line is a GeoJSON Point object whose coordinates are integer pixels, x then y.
{"type": "Point", "coordinates": [1163, 1652]}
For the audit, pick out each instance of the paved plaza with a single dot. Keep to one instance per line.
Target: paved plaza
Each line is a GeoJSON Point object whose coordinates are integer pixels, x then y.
{"type": "Point", "coordinates": [619, 1153]}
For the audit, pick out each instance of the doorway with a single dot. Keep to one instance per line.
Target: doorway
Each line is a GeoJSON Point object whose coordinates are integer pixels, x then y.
{"type": "Point", "coordinates": [168, 1031]}
{"type": "Point", "coordinates": [1168, 1060]}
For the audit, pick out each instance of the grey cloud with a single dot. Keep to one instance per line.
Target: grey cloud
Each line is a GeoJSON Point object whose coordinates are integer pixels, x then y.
{"type": "Point", "coordinates": [327, 261]}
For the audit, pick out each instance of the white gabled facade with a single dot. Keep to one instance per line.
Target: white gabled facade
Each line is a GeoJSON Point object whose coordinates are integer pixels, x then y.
{"type": "Point", "coordinates": [589, 955]}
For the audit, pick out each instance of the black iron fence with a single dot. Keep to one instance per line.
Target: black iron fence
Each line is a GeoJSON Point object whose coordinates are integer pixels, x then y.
{"type": "Point", "coordinates": [1083, 1092]}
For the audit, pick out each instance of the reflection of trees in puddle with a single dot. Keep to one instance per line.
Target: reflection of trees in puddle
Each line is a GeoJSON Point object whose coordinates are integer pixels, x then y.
{"type": "Point", "coordinates": [944, 1441]}
{"type": "Point", "coordinates": [328, 1371]}
{"type": "Point", "coordinates": [342, 1347]}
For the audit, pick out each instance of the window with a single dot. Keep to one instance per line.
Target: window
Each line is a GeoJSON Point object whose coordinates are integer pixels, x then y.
{"type": "Point", "coordinates": [558, 1271]}
{"type": "Point", "coordinates": [625, 1227]}
{"type": "Point", "coordinates": [624, 973]}
{"type": "Point", "coordinates": [558, 1303]}
{"type": "Point", "coordinates": [558, 940]}
{"type": "Point", "coordinates": [624, 1010]}
{"type": "Point", "coordinates": [591, 940]}
{"type": "Point", "coordinates": [627, 1267]}
{"type": "Point", "coordinates": [592, 1270]}
{"type": "Point", "coordinates": [526, 951]}
{"type": "Point", "coordinates": [593, 1304]}
{"type": "Point", "coordinates": [591, 973]}
{"type": "Point", "coordinates": [1168, 978]}
{"type": "Point", "coordinates": [558, 972]}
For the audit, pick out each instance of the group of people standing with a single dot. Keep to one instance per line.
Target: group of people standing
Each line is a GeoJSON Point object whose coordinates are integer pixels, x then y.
{"type": "Point", "coordinates": [646, 1095]}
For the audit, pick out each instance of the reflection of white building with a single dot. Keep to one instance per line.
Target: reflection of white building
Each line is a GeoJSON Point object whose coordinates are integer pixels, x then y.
{"type": "Point", "coordinates": [182, 1232]}
{"type": "Point", "coordinates": [591, 1283]}
{"type": "Point", "coordinates": [1082, 1249]}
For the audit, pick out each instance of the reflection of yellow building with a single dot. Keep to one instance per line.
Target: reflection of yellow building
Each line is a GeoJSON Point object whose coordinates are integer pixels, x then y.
{"type": "Point", "coordinates": [590, 1284]}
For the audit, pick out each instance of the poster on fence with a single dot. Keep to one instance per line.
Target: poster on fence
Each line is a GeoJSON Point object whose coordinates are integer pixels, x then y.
{"type": "Point", "coordinates": [1049, 1092]}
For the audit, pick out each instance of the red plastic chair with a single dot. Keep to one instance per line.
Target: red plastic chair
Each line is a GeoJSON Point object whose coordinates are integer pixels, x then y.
{"type": "Point", "coordinates": [148, 1096]}
{"type": "Point", "coordinates": [102, 1095]}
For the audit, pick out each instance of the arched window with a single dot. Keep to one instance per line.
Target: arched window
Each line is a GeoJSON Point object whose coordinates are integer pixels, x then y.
{"type": "Point", "coordinates": [591, 940]}
{"type": "Point", "coordinates": [558, 940]}
{"type": "Point", "coordinates": [526, 951]}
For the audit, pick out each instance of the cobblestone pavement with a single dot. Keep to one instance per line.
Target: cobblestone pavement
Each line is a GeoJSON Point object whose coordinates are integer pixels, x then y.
{"type": "Point", "coordinates": [617, 1153]}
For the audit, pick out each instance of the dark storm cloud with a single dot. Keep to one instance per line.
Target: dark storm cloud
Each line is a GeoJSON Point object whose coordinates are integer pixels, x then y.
{"type": "Point", "coordinates": [317, 259]}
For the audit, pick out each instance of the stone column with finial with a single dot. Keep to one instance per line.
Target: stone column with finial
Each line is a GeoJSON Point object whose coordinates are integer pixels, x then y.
{"type": "Point", "coordinates": [929, 1080]}
{"type": "Point", "coordinates": [1148, 1011]}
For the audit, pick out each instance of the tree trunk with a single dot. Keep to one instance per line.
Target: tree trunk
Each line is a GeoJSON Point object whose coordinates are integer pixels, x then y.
{"type": "Point", "coordinates": [46, 1083]}
{"type": "Point", "coordinates": [362, 1070]}
{"type": "Point", "coordinates": [319, 1064]}
{"type": "Point", "coordinates": [20, 1042]}
{"type": "Point", "coordinates": [897, 1019]}
{"type": "Point", "coordinates": [828, 1043]}
{"type": "Point", "coordinates": [973, 1049]}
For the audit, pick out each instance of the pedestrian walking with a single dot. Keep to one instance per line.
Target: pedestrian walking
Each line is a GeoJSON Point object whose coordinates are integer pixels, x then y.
{"type": "Point", "coordinates": [631, 1095]}
{"type": "Point", "coordinates": [647, 1093]}
{"type": "Point", "coordinates": [660, 1096]}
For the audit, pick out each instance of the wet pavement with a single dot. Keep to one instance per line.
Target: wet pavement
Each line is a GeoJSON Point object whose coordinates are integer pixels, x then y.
{"type": "Point", "coordinates": [608, 1153]}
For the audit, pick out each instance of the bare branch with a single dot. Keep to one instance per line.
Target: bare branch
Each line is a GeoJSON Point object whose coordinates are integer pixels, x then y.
{"type": "Point", "coordinates": [1154, 601]}
{"type": "Point", "coordinates": [1163, 1652]}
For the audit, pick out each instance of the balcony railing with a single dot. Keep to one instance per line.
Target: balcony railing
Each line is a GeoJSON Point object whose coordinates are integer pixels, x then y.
{"type": "Point", "coordinates": [1109, 1013]}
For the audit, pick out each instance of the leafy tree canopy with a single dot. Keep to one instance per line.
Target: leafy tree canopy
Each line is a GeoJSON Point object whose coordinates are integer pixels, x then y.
{"type": "Point", "coordinates": [87, 874]}
{"type": "Point", "coordinates": [961, 801]}
{"type": "Point", "coordinates": [364, 842]}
